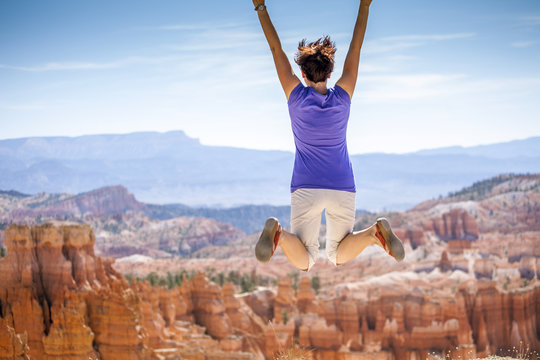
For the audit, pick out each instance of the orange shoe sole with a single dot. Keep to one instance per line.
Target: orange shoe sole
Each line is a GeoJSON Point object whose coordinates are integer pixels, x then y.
{"type": "Point", "coordinates": [394, 246]}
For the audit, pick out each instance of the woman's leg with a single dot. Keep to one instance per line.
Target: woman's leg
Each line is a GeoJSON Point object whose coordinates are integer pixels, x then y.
{"type": "Point", "coordinates": [301, 245]}
{"type": "Point", "coordinates": [354, 243]}
{"type": "Point", "coordinates": [294, 250]}
{"type": "Point", "coordinates": [340, 218]}
{"type": "Point", "coordinates": [303, 240]}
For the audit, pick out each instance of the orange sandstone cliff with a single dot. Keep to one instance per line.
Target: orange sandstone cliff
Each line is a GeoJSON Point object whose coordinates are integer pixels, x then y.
{"type": "Point", "coordinates": [406, 318]}
{"type": "Point", "coordinates": [60, 301]}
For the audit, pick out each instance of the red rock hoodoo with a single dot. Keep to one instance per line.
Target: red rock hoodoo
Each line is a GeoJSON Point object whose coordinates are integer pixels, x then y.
{"type": "Point", "coordinates": [59, 301]}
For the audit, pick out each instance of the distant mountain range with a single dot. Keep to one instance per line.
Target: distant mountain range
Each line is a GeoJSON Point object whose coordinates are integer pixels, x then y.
{"type": "Point", "coordinates": [518, 148]}
{"type": "Point", "coordinates": [115, 200]}
{"type": "Point", "coordinates": [174, 168]}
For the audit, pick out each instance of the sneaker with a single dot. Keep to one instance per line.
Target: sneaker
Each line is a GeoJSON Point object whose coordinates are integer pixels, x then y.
{"type": "Point", "coordinates": [268, 241]}
{"type": "Point", "coordinates": [389, 241]}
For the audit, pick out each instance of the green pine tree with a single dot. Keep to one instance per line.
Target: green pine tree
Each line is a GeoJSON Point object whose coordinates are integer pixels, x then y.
{"type": "Point", "coordinates": [316, 283]}
{"type": "Point", "coordinates": [285, 316]}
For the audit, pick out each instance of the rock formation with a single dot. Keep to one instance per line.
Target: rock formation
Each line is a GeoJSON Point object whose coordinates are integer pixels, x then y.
{"type": "Point", "coordinates": [104, 201]}
{"type": "Point", "coordinates": [209, 308]}
{"type": "Point", "coordinates": [12, 346]}
{"type": "Point", "coordinates": [59, 301]}
{"type": "Point", "coordinates": [468, 287]}
{"type": "Point", "coordinates": [66, 299]}
{"type": "Point", "coordinates": [456, 225]}
{"type": "Point", "coordinates": [306, 297]}
{"type": "Point", "coordinates": [238, 312]}
{"type": "Point", "coordinates": [121, 222]}
{"type": "Point", "coordinates": [399, 324]}
{"type": "Point", "coordinates": [444, 263]}
{"type": "Point", "coordinates": [262, 303]}
{"type": "Point", "coordinates": [284, 304]}
{"type": "Point", "coordinates": [414, 236]}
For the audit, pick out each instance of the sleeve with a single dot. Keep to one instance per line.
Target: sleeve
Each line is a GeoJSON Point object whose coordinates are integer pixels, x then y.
{"type": "Point", "coordinates": [342, 93]}
{"type": "Point", "coordinates": [296, 94]}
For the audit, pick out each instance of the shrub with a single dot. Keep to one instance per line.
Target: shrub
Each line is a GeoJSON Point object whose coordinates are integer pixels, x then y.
{"type": "Point", "coordinates": [316, 283]}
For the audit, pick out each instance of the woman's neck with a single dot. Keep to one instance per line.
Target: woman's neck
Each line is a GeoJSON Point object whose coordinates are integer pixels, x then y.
{"type": "Point", "coordinates": [319, 87]}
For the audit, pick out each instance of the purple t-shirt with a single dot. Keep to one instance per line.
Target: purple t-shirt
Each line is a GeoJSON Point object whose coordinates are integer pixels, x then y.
{"type": "Point", "coordinates": [319, 124]}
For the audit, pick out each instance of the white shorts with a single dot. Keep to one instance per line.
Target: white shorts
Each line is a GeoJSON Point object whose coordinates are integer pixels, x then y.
{"type": "Point", "coordinates": [307, 206]}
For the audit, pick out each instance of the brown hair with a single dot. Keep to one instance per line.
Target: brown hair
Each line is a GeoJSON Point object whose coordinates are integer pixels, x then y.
{"type": "Point", "coordinates": [316, 59]}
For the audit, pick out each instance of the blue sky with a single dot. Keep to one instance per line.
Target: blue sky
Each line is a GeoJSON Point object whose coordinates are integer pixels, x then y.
{"type": "Point", "coordinates": [432, 73]}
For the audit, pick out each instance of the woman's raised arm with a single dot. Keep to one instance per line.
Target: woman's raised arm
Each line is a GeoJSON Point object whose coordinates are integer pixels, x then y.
{"type": "Point", "coordinates": [287, 78]}
{"type": "Point", "coordinates": [350, 68]}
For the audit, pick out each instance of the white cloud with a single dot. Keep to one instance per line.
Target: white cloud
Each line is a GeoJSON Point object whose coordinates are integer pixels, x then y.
{"type": "Point", "coordinates": [434, 37]}
{"type": "Point", "coordinates": [531, 20]}
{"type": "Point", "coordinates": [24, 107]}
{"type": "Point", "coordinates": [370, 68]}
{"type": "Point", "coordinates": [205, 38]}
{"type": "Point", "coordinates": [212, 41]}
{"type": "Point", "coordinates": [401, 42]}
{"type": "Point", "coordinates": [82, 65]}
{"type": "Point", "coordinates": [523, 44]}
{"type": "Point", "coordinates": [63, 66]}
{"type": "Point", "coordinates": [419, 87]}
{"type": "Point", "coordinates": [407, 87]}
{"type": "Point", "coordinates": [222, 77]}
{"type": "Point", "coordinates": [198, 27]}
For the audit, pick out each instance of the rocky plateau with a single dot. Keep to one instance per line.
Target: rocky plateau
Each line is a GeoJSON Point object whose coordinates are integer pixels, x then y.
{"type": "Point", "coordinates": [468, 288]}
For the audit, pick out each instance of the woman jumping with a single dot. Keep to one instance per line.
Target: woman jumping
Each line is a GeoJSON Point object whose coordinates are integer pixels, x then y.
{"type": "Point", "coordinates": [322, 175]}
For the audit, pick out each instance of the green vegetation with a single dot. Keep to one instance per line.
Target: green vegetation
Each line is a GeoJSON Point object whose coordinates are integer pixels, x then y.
{"type": "Point", "coordinates": [3, 252]}
{"type": "Point", "coordinates": [506, 282]}
{"type": "Point", "coordinates": [366, 220]}
{"type": "Point", "coordinates": [285, 316]}
{"type": "Point", "coordinates": [522, 352]}
{"type": "Point", "coordinates": [295, 278]}
{"type": "Point", "coordinates": [112, 227]}
{"type": "Point", "coordinates": [170, 281]}
{"type": "Point", "coordinates": [247, 282]}
{"type": "Point", "coordinates": [49, 200]}
{"type": "Point", "coordinates": [482, 188]}
{"type": "Point", "coordinates": [316, 283]}
{"type": "Point", "coordinates": [13, 193]}
{"type": "Point", "coordinates": [248, 218]}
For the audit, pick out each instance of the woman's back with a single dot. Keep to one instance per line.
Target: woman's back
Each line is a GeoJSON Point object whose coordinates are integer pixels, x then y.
{"type": "Point", "coordinates": [319, 124]}
{"type": "Point", "coordinates": [322, 177]}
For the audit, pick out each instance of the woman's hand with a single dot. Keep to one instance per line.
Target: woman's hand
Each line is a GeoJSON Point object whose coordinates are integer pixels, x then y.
{"type": "Point", "coordinates": [261, 2]}
{"type": "Point", "coordinates": [362, 2]}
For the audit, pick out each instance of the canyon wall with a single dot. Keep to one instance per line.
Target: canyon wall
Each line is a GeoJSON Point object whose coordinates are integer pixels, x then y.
{"type": "Point", "coordinates": [60, 301]}
{"type": "Point", "coordinates": [390, 322]}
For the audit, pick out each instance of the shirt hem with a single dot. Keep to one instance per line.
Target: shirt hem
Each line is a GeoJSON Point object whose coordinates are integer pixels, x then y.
{"type": "Point", "coordinates": [348, 189]}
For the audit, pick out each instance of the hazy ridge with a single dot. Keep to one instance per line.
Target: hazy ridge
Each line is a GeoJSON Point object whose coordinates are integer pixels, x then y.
{"type": "Point", "coordinates": [174, 168]}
